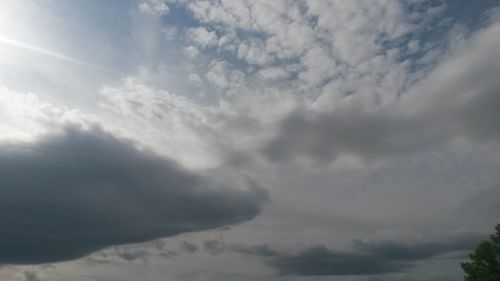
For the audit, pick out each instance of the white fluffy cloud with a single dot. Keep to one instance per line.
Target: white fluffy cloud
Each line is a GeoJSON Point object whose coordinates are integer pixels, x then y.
{"type": "Point", "coordinates": [25, 116]}
{"type": "Point", "coordinates": [153, 7]}
{"type": "Point", "coordinates": [330, 46]}
{"type": "Point", "coordinates": [202, 37]}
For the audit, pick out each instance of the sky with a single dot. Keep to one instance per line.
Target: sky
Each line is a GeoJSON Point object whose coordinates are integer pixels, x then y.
{"type": "Point", "coordinates": [243, 140]}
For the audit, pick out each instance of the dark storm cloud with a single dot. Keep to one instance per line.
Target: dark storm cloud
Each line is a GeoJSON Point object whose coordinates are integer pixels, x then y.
{"type": "Point", "coordinates": [216, 247]}
{"type": "Point", "coordinates": [391, 250]}
{"type": "Point", "coordinates": [325, 136]}
{"type": "Point", "coordinates": [213, 247]}
{"type": "Point", "coordinates": [318, 261]}
{"type": "Point", "coordinates": [370, 258]}
{"type": "Point", "coordinates": [133, 255]}
{"type": "Point", "coordinates": [459, 99]}
{"type": "Point", "coordinates": [484, 204]}
{"type": "Point", "coordinates": [31, 276]}
{"type": "Point", "coordinates": [188, 247]}
{"type": "Point", "coordinates": [367, 258]}
{"type": "Point", "coordinates": [78, 191]}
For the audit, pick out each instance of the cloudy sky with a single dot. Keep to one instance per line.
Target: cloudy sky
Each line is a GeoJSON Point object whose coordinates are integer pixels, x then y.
{"type": "Point", "coordinates": [243, 140]}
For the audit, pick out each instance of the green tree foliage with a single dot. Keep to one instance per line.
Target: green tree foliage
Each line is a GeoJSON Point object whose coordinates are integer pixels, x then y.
{"type": "Point", "coordinates": [485, 260]}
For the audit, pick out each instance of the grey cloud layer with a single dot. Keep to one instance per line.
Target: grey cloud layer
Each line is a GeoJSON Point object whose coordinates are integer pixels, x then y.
{"type": "Point", "coordinates": [368, 258]}
{"type": "Point", "coordinates": [75, 192]}
{"type": "Point", "coordinates": [325, 136]}
{"type": "Point", "coordinates": [459, 99]}
{"type": "Point", "coordinates": [385, 79]}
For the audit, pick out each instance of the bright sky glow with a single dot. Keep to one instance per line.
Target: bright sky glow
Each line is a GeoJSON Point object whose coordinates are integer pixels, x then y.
{"type": "Point", "coordinates": [14, 43]}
